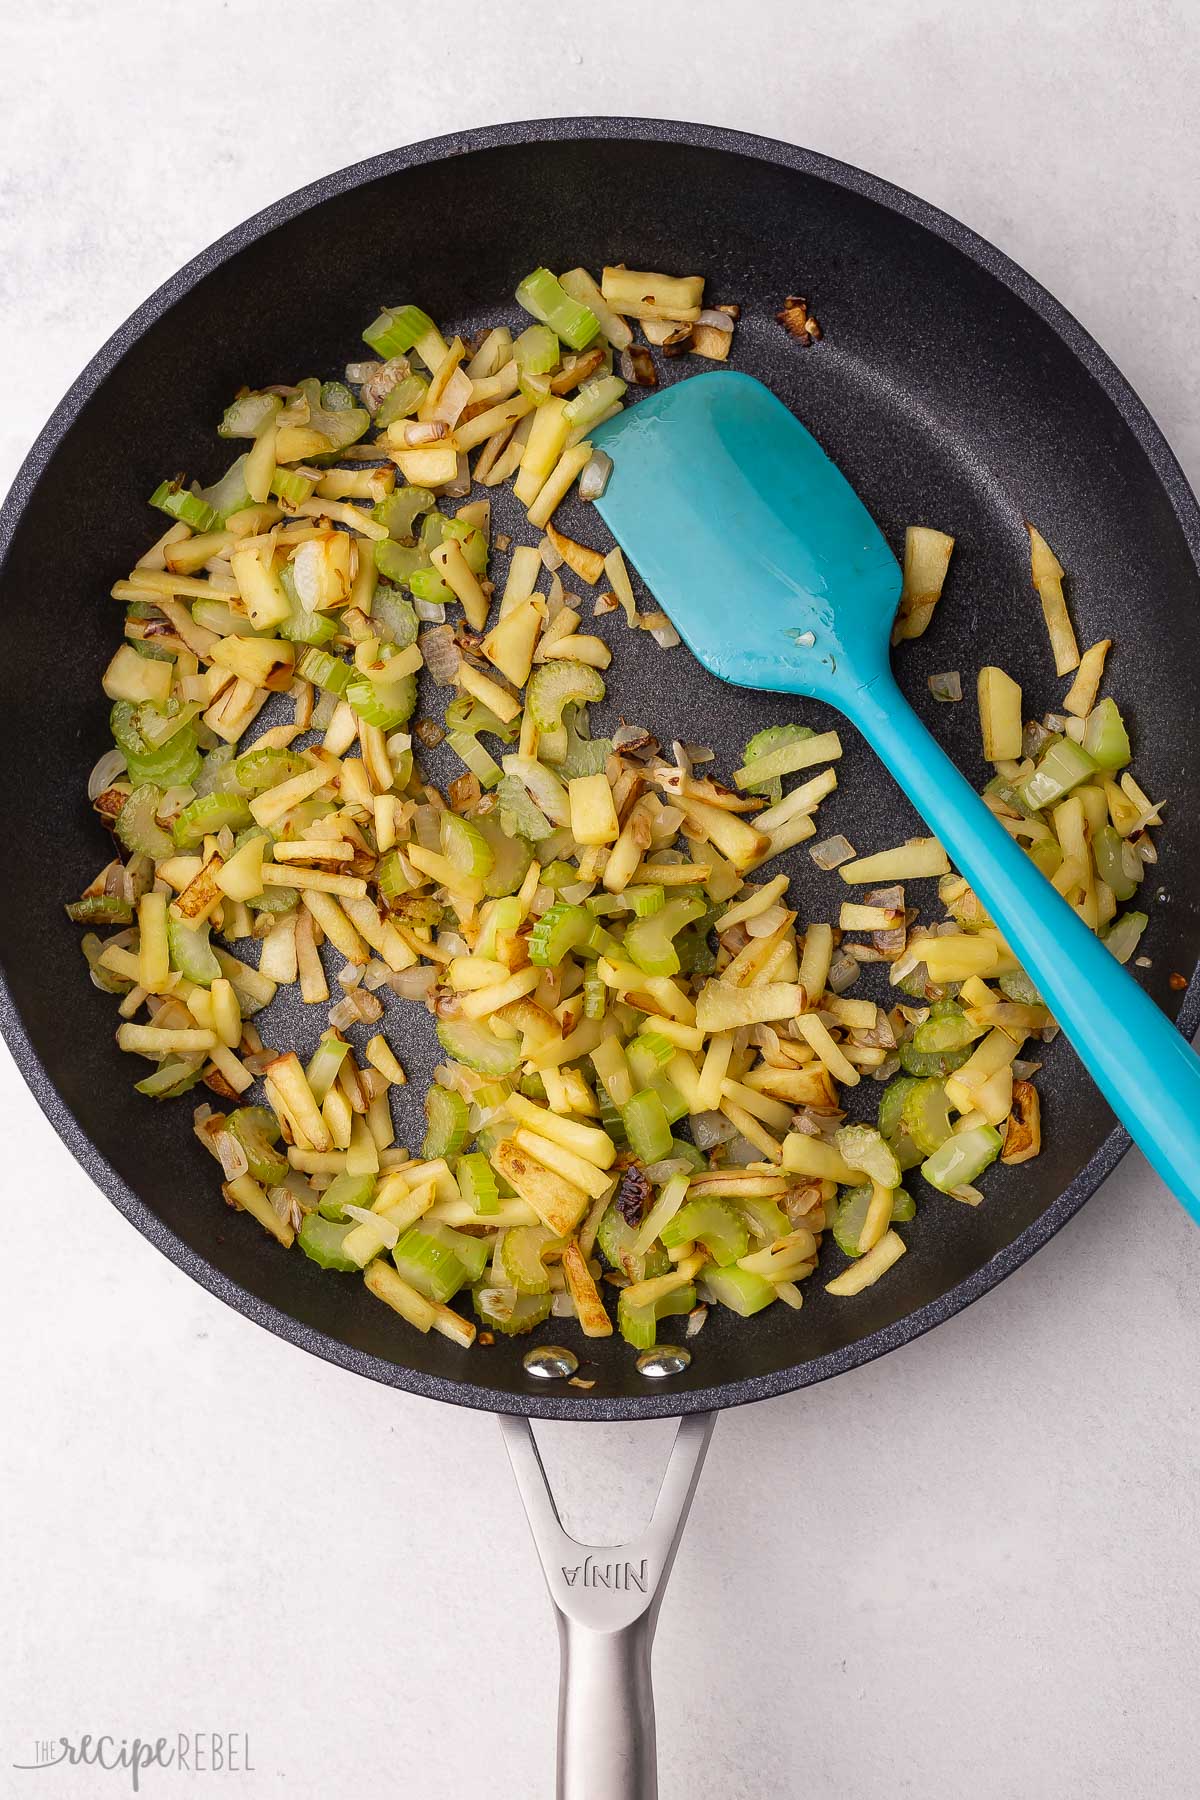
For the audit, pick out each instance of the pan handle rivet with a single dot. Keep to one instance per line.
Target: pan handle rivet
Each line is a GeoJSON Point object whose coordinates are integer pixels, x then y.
{"type": "Point", "coordinates": [550, 1362]}
{"type": "Point", "coordinates": [663, 1360]}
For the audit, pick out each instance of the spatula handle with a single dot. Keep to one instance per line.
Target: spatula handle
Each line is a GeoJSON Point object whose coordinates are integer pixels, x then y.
{"type": "Point", "coordinates": [1143, 1067]}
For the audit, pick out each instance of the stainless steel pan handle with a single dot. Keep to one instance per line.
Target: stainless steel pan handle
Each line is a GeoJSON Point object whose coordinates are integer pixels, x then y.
{"type": "Point", "coordinates": [606, 1601]}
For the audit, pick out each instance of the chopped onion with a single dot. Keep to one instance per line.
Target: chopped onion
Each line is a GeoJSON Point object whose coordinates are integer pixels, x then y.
{"type": "Point", "coordinates": [665, 636]}
{"type": "Point", "coordinates": [832, 852]}
{"type": "Point", "coordinates": [323, 711]}
{"type": "Point", "coordinates": [443, 658]}
{"type": "Point", "coordinates": [375, 974]}
{"type": "Point", "coordinates": [229, 1154]}
{"type": "Point", "coordinates": [843, 973]}
{"type": "Point", "coordinates": [349, 976]}
{"type": "Point", "coordinates": [720, 321]}
{"type": "Point", "coordinates": [430, 612]}
{"type": "Point", "coordinates": [551, 555]}
{"type": "Point", "coordinates": [562, 1306]}
{"type": "Point", "coordinates": [594, 479]}
{"type": "Point", "coordinates": [362, 371]}
{"type": "Point", "coordinates": [363, 1215]}
{"type": "Point", "coordinates": [110, 766]}
{"type": "Point", "coordinates": [461, 485]}
{"type": "Point", "coordinates": [700, 753]}
{"type": "Point", "coordinates": [414, 983]}
{"type": "Point", "coordinates": [709, 1128]}
{"type": "Point", "coordinates": [947, 685]}
{"type": "Point", "coordinates": [740, 1152]}
{"type": "Point", "coordinates": [886, 1069]}
{"type": "Point", "coordinates": [696, 1320]}
{"type": "Point", "coordinates": [662, 1171]}
{"type": "Point", "coordinates": [629, 737]}
{"type": "Point", "coordinates": [764, 923]}
{"type": "Point", "coordinates": [1023, 1069]}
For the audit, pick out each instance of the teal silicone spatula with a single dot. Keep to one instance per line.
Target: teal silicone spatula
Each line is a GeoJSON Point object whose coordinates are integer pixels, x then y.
{"type": "Point", "coordinates": [777, 577]}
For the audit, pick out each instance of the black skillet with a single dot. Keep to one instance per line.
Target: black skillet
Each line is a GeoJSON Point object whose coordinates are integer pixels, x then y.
{"type": "Point", "coordinates": [949, 387]}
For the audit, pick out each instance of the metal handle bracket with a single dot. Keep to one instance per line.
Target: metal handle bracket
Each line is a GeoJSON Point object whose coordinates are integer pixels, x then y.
{"type": "Point", "coordinates": [606, 1600]}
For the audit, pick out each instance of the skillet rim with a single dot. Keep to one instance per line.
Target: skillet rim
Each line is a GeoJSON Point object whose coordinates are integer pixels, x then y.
{"type": "Point", "coordinates": [895, 199]}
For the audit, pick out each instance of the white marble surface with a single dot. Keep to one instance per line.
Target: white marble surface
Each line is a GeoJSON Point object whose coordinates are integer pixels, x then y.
{"type": "Point", "coordinates": [969, 1568]}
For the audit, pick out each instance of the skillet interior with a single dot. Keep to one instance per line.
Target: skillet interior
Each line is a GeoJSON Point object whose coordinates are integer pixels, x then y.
{"type": "Point", "coordinates": [947, 386]}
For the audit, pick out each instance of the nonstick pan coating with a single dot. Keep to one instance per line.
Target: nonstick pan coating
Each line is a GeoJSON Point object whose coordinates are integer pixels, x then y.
{"type": "Point", "coordinates": [950, 388]}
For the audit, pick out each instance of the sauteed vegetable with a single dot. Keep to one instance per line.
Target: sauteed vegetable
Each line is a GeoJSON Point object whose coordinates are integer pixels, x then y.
{"type": "Point", "coordinates": [647, 1037]}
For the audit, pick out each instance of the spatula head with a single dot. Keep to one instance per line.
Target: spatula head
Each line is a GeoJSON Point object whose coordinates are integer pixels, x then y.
{"type": "Point", "coordinates": [750, 538]}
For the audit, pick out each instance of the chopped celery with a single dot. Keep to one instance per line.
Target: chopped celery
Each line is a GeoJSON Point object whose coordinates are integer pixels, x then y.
{"type": "Point", "coordinates": [638, 1325]}
{"type": "Point", "coordinates": [962, 1158]}
{"type": "Point", "coordinates": [520, 1258]}
{"type": "Point", "coordinates": [102, 909]}
{"type": "Point", "coordinates": [135, 824]}
{"type": "Point", "coordinates": [537, 350]}
{"type": "Point", "coordinates": [1062, 768]}
{"type": "Point", "coordinates": [948, 1029]}
{"type": "Point", "coordinates": [394, 618]}
{"type": "Point", "coordinates": [559, 931]}
{"type": "Point", "coordinates": [208, 814]}
{"type": "Point", "coordinates": [774, 737]}
{"type": "Point", "coordinates": [428, 585]}
{"type": "Point", "coordinates": [863, 1148]}
{"type": "Point", "coordinates": [465, 847]}
{"type": "Point", "coordinates": [615, 1239]}
{"type": "Point", "coordinates": [890, 1118]}
{"type": "Point", "coordinates": [595, 997]}
{"type": "Point", "coordinates": [502, 1309]}
{"type": "Point", "coordinates": [764, 1217]}
{"type": "Point", "coordinates": [1124, 934]}
{"type": "Point", "coordinates": [850, 1217]}
{"type": "Point", "coordinates": [648, 939]}
{"type": "Point", "coordinates": [1017, 986]}
{"type": "Point", "coordinates": [325, 670]}
{"type": "Point", "coordinates": [259, 770]}
{"type": "Point", "coordinates": [256, 1129]}
{"type": "Point", "coordinates": [398, 330]}
{"type": "Point", "coordinates": [541, 294]}
{"type": "Point", "coordinates": [932, 1062]}
{"type": "Point", "coordinates": [324, 1064]}
{"type": "Point", "coordinates": [347, 1190]}
{"type": "Point", "coordinates": [904, 1207]}
{"type": "Point", "coordinates": [477, 1182]}
{"type": "Point", "coordinates": [593, 401]}
{"type": "Point", "coordinates": [400, 563]}
{"type": "Point", "coordinates": [402, 401]}
{"type": "Point", "coordinates": [174, 1076]}
{"type": "Point", "coordinates": [553, 684]}
{"type": "Point", "coordinates": [1105, 738]}
{"type": "Point", "coordinates": [188, 508]}
{"type": "Point", "coordinates": [400, 510]}
{"type": "Point", "coordinates": [249, 415]}
{"type": "Point", "coordinates": [519, 816]}
{"type": "Point", "coordinates": [738, 1289]}
{"type": "Point", "coordinates": [511, 857]}
{"type": "Point", "coordinates": [1117, 862]}
{"type": "Point", "coordinates": [322, 1240]}
{"type": "Point", "coordinates": [446, 1123]}
{"type": "Point", "coordinates": [191, 952]}
{"type": "Point", "coordinates": [437, 1260]}
{"type": "Point", "coordinates": [644, 902]}
{"type": "Point", "coordinates": [717, 1224]}
{"type": "Point", "coordinates": [387, 707]}
{"type": "Point", "coordinates": [471, 541]}
{"type": "Point", "coordinates": [647, 1126]}
{"type": "Point", "coordinates": [484, 767]}
{"type": "Point", "coordinates": [927, 1117]}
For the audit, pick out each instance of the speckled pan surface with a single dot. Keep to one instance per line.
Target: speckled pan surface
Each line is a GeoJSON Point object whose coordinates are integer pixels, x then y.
{"type": "Point", "coordinates": [951, 389]}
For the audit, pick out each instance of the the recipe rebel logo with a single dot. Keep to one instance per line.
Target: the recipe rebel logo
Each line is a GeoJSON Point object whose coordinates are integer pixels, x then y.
{"type": "Point", "coordinates": [186, 1752]}
{"type": "Point", "coordinates": [620, 1577]}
